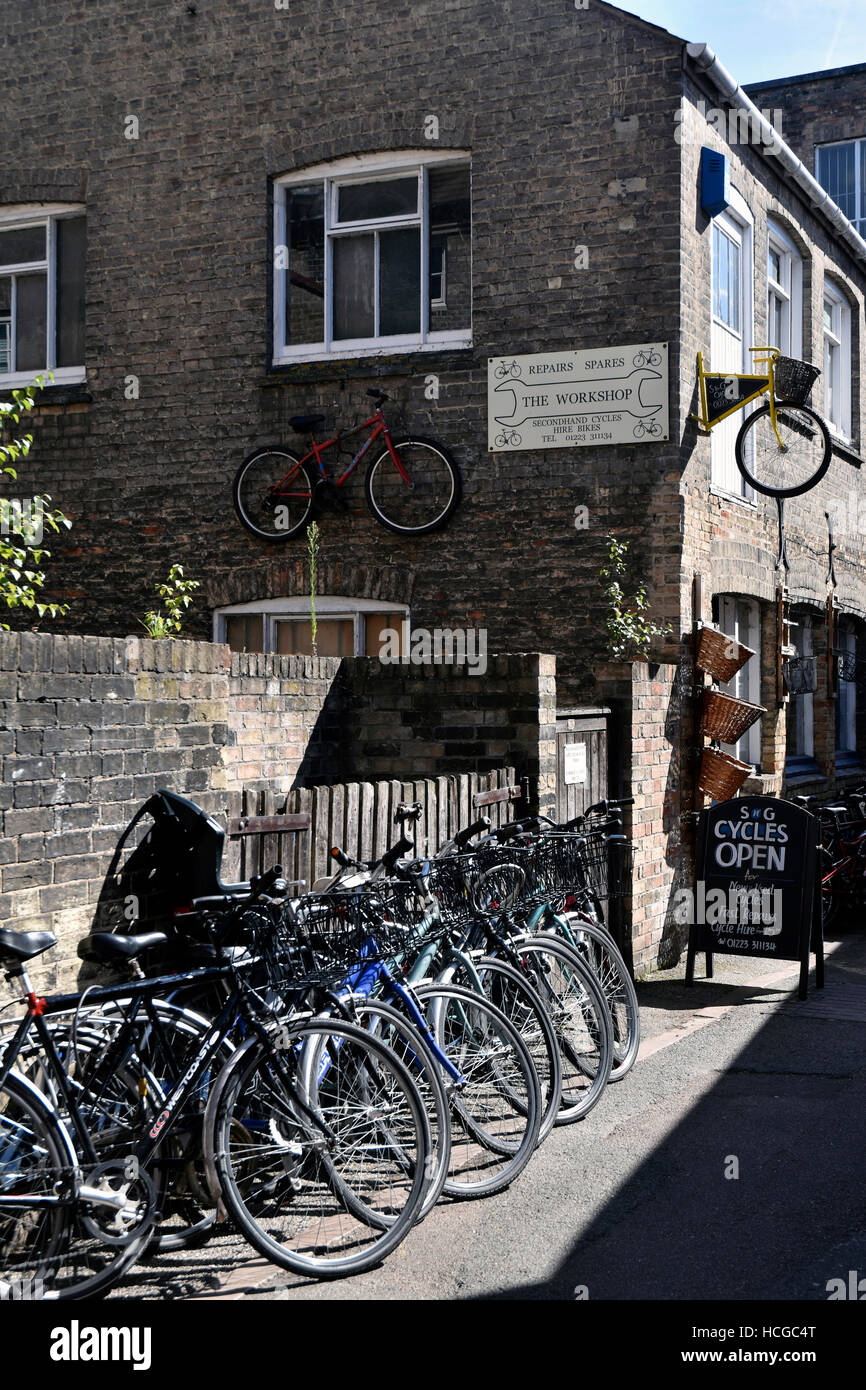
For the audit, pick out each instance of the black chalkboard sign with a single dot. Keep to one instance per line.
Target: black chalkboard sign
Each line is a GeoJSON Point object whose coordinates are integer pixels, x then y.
{"type": "Point", "coordinates": [755, 890]}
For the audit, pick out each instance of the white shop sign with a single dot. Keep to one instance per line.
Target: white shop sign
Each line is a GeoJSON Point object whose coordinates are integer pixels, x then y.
{"type": "Point", "coordinates": [562, 400]}
{"type": "Point", "coordinates": [574, 763]}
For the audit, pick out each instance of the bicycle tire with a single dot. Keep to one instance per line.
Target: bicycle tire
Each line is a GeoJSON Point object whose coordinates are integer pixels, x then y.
{"type": "Point", "coordinates": [580, 1017]}
{"type": "Point", "coordinates": [63, 1271]}
{"type": "Point", "coordinates": [506, 987]}
{"type": "Point", "coordinates": [254, 505]}
{"type": "Point", "coordinates": [259, 1093]}
{"type": "Point", "coordinates": [497, 1069]}
{"type": "Point", "coordinates": [391, 500]}
{"type": "Point", "coordinates": [399, 1034]}
{"type": "Point", "coordinates": [187, 1215]}
{"type": "Point", "coordinates": [603, 957]}
{"type": "Point", "coordinates": [797, 432]}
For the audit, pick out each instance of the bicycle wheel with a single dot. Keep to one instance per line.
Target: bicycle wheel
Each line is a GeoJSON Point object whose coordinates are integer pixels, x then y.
{"type": "Point", "coordinates": [48, 1248]}
{"type": "Point", "coordinates": [602, 956]}
{"type": "Point", "coordinates": [108, 1095]}
{"type": "Point", "coordinates": [424, 503]}
{"type": "Point", "coordinates": [273, 494]}
{"type": "Point", "coordinates": [283, 1172]}
{"type": "Point", "coordinates": [578, 1010]}
{"type": "Point", "coordinates": [495, 1108]}
{"type": "Point", "coordinates": [798, 465]}
{"type": "Point", "coordinates": [392, 1028]}
{"type": "Point", "coordinates": [514, 996]}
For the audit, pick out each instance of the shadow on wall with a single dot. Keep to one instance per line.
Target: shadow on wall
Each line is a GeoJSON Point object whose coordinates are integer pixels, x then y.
{"type": "Point", "coordinates": [327, 755]}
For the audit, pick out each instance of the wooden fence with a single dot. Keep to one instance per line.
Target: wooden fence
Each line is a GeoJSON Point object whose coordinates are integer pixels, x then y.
{"type": "Point", "coordinates": [359, 817]}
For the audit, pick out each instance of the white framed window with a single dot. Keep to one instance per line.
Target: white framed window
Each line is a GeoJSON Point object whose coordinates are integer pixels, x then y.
{"type": "Point", "coordinates": [846, 694]}
{"type": "Point", "coordinates": [801, 708]}
{"type": "Point", "coordinates": [42, 264]}
{"type": "Point", "coordinates": [731, 329]}
{"type": "Point", "coordinates": [784, 293]}
{"type": "Point", "coordinates": [364, 248]}
{"type": "Point", "coordinates": [344, 626]}
{"type": "Point", "coordinates": [741, 618]}
{"type": "Point", "coordinates": [841, 169]}
{"type": "Point", "coordinates": [837, 360]}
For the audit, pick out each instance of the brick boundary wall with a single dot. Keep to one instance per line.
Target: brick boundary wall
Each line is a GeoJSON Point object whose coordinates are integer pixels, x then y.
{"type": "Point", "coordinates": [92, 726]}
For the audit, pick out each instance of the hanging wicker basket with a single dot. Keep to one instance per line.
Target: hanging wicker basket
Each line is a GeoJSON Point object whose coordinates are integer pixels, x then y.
{"type": "Point", "coordinates": [721, 656]}
{"type": "Point", "coordinates": [721, 776]}
{"type": "Point", "coordinates": [725, 718]}
{"type": "Point", "coordinates": [801, 675]}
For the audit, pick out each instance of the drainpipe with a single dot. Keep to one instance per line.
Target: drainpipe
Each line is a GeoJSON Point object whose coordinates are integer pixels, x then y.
{"type": "Point", "coordinates": [706, 62]}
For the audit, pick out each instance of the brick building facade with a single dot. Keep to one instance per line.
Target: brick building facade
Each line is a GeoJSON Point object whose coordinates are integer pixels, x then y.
{"type": "Point", "coordinates": [559, 150]}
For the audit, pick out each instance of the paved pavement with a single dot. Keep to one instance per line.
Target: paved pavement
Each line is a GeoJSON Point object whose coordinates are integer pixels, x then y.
{"type": "Point", "coordinates": [735, 1074]}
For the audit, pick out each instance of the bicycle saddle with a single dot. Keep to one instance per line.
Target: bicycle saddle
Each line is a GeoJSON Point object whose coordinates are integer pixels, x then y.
{"type": "Point", "coordinates": [305, 422]}
{"type": "Point", "coordinates": [106, 946]}
{"type": "Point", "coordinates": [24, 945]}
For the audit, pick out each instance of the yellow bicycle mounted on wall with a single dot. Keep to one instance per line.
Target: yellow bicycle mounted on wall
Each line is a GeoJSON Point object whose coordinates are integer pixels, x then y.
{"type": "Point", "coordinates": [783, 448]}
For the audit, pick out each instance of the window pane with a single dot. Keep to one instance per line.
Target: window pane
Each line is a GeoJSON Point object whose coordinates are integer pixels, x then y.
{"type": "Point", "coordinates": [305, 277]}
{"type": "Point", "coordinates": [774, 265]}
{"type": "Point", "coordinates": [334, 637]}
{"type": "Point", "coordinates": [358, 202]}
{"type": "Point", "coordinates": [30, 321]}
{"type": "Point", "coordinates": [22, 244]}
{"type": "Point", "coordinates": [400, 281]}
{"type": "Point", "coordinates": [836, 174]}
{"type": "Point", "coordinates": [244, 632]}
{"type": "Point", "coordinates": [353, 286]}
{"type": "Point", "coordinates": [735, 297]}
{"type": "Point", "coordinates": [776, 322]}
{"type": "Point", "coordinates": [450, 230]}
{"type": "Point", "coordinates": [5, 324]}
{"type": "Point", "coordinates": [382, 628]}
{"type": "Point", "coordinates": [70, 291]}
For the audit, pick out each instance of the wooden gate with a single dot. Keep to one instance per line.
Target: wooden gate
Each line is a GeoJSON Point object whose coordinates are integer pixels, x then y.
{"type": "Point", "coordinates": [581, 759]}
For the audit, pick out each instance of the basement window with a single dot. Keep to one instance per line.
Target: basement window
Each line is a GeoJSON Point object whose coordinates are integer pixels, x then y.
{"type": "Point", "coordinates": [344, 626]}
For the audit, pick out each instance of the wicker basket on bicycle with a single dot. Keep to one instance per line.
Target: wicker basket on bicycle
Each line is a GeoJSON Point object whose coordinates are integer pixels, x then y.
{"type": "Point", "coordinates": [794, 379]}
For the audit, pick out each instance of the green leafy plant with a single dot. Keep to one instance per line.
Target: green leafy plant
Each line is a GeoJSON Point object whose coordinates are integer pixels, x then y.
{"type": "Point", "coordinates": [176, 594]}
{"type": "Point", "coordinates": [21, 548]}
{"type": "Point", "coordinates": [313, 540]}
{"type": "Point", "coordinates": [629, 630]}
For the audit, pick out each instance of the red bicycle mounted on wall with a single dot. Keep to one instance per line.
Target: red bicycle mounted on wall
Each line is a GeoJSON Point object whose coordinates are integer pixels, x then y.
{"type": "Point", "coordinates": [412, 486]}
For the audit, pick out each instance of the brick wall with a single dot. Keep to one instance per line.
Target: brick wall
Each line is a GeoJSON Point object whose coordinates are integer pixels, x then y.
{"type": "Point", "coordinates": [92, 726]}
{"type": "Point", "coordinates": [568, 116]}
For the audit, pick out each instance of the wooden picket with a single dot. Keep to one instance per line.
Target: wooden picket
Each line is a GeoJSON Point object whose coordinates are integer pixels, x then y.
{"type": "Point", "coordinates": [359, 817]}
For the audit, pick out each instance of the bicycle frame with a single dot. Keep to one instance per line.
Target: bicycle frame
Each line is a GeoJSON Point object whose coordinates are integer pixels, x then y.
{"type": "Point", "coordinates": [148, 1145]}
{"type": "Point", "coordinates": [378, 428]}
{"type": "Point", "coordinates": [766, 386]}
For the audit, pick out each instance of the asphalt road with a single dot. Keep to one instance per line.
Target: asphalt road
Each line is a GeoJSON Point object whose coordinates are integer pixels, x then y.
{"type": "Point", "coordinates": [639, 1200]}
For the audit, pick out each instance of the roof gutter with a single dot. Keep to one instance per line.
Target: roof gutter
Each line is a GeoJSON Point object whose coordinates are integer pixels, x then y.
{"type": "Point", "coordinates": [706, 62]}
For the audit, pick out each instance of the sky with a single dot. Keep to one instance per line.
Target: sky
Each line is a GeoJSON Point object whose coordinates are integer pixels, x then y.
{"type": "Point", "coordinates": [760, 39]}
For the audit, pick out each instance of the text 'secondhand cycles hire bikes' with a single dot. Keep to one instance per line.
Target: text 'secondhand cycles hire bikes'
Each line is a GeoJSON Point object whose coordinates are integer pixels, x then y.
{"type": "Point", "coordinates": [412, 486]}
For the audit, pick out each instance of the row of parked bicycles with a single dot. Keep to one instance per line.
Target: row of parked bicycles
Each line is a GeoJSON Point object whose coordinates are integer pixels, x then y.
{"type": "Point", "coordinates": [843, 855]}
{"type": "Point", "coordinates": [318, 1070]}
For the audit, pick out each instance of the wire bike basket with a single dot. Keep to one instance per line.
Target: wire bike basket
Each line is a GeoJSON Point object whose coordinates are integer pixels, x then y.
{"type": "Point", "coordinates": [800, 674]}
{"type": "Point", "coordinates": [794, 379]}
